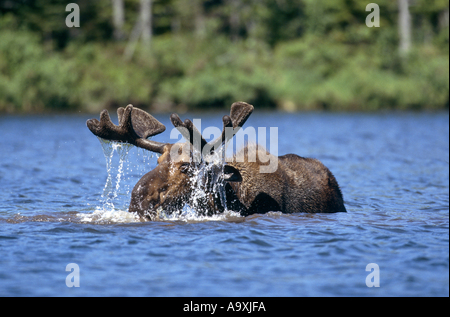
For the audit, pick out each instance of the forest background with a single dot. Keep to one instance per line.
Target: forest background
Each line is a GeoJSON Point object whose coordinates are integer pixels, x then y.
{"type": "Point", "coordinates": [179, 55]}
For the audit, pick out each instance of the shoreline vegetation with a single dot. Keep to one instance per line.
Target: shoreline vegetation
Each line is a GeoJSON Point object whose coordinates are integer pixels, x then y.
{"type": "Point", "coordinates": [300, 55]}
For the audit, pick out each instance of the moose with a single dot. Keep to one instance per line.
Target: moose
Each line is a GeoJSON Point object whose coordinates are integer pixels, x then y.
{"type": "Point", "coordinates": [297, 185]}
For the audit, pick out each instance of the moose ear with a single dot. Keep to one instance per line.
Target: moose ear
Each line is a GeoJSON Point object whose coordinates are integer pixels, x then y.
{"type": "Point", "coordinates": [231, 174]}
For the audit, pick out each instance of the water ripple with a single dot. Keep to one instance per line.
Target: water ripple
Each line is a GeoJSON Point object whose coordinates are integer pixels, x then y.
{"type": "Point", "coordinates": [392, 168]}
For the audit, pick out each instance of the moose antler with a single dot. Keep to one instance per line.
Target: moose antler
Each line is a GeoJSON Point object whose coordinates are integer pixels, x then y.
{"type": "Point", "coordinates": [239, 113]}
{"type": "Point", "coordinates": [188, 130]}
{"type": "Point", "coordinates": [135, 126]}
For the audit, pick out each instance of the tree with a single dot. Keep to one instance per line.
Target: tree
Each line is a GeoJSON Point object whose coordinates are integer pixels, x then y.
{"type": "Point", "coordinates": [404, 26]}
{"type": "Point", "coordinates": [118, 19]}
{"type": "Point", "coordinates": [142, 27]}
{"type": "Point", "coordinates": [146, 21]}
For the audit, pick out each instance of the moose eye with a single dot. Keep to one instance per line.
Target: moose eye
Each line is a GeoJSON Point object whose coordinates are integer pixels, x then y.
{"type": "Point", "coordinates": [185, 167]}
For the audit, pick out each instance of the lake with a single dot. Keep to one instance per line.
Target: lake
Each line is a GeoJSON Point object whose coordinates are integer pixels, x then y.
{"type": "Point", "coordinates": [60, 205]}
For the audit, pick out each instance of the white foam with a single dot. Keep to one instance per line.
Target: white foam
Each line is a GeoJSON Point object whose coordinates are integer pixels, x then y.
{"type": "Point", "coordinates": [106, 216]}
{"type": "Point", "coordinates": [190, 215]}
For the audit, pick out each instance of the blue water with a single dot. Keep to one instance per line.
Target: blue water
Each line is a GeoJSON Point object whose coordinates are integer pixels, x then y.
{"type": "Point", "coordinates": [57, 208]}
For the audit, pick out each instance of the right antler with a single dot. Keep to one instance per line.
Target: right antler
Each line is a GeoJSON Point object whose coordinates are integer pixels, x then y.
{"type": "Point", "coordinates": [239, 113]}
{"type": "Point", "coordinates": [135, 126]}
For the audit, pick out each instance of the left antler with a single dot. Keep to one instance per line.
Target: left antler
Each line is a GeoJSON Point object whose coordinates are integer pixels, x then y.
{"type": "Point", "coordinates": [135, 126]}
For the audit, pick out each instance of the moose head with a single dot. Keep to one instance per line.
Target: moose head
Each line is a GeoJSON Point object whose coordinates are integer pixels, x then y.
{"type": "Point", "coordinates": [169, 186]}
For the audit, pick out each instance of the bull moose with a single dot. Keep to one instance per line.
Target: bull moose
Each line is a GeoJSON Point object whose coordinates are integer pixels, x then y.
{"type": "Point", "coordinates": [297, 185]}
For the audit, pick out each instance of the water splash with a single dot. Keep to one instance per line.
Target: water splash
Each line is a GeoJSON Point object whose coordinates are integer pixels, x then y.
{"type": "Point", "coordinates": [108, 216]}
{"type": "Point", "coordinates": [112, 186]}
{"type": "Point", "coordinates": [116, 194]}
{"type": "Point", "coordinates": [207, 181]}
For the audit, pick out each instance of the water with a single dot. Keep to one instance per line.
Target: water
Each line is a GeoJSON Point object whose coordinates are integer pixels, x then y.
{"type": "Point", "coordinates": [58, 206]}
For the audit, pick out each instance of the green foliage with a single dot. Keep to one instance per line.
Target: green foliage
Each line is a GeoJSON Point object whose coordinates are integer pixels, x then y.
{"type": "Point", "coordinates": [215, 72]}
{"type": "Point", "coordinates": [293, 55]}
{"type": "Point", "coordinates": [338, 77]}
{"type": "Point", "coordinates": [32, 78]}
{"type": "Point", "coordinates": [106, 79]}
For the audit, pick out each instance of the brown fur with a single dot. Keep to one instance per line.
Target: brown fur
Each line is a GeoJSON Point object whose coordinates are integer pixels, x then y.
{"type": "Point", "coordinates": [298, 185]}
{"type": "Point", "coordinates": [166, 186]}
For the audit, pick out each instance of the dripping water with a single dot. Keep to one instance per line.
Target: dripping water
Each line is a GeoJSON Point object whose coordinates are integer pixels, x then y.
{"type": "Point", "coordinates": [207, 179]}
{"type": "Point", "coordinates": [114, 202]}
{"type": "Point", "coordinates": [112, 186]}
{"type": "Point", "coordinates": [116, 193]}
